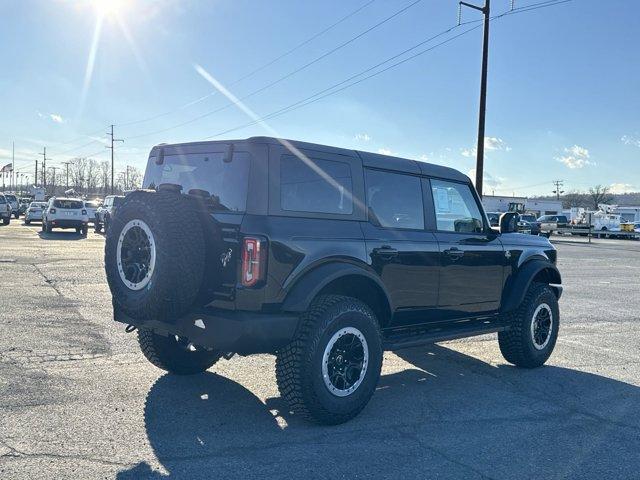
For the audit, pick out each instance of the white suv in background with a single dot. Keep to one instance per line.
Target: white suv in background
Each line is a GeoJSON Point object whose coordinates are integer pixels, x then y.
{"type": "Point", "coordinates": [15, 206]}
{"type": "Point", "coordinates": [65, 213]}
{"type": "Point", "coordinates": [5, 210]}
{"type": "Point", "coordinates": [91, 206]}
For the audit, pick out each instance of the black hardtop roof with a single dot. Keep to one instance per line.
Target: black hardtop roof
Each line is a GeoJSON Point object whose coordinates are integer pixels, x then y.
{"type": "Point", "coordinates": [369, 159]}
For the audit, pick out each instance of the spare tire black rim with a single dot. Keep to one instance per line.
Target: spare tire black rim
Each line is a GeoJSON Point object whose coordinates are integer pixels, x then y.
{"type": "Point", "coordinates": [136, 254]}
{"type": "Point", "coordinates": [542, 326]}
{"type": "Point", "coordinates": [344, 363]}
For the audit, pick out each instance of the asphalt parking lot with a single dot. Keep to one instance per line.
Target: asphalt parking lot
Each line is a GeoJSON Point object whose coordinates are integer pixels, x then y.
{"type": "Point", "coordinates": [78, 400]}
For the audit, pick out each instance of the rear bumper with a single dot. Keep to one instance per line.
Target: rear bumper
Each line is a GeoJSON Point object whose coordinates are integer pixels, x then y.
{"type": "Point", "coordinates": [226, 331]}
{"type": "Point", "coordinates": [65, 223]}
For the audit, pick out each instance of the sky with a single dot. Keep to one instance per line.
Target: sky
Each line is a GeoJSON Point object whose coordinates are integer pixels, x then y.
{"type": "Point", "coordinates": [562, 104]}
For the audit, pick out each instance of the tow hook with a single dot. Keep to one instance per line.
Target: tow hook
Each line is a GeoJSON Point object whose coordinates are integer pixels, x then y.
{"type": "Point", "coordinates": [130, 328]}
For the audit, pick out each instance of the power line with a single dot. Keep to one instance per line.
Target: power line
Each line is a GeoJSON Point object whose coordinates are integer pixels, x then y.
{"type": "Point", "coordinates": [288, 75]}
{"type": "Point", "coordinates": [256, 70]}
{"type": "Point", "coordinates": [333, 88]}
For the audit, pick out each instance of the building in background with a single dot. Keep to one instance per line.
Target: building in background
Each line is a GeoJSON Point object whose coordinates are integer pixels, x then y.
{"type": "Point", "coordinates": [497, 203]}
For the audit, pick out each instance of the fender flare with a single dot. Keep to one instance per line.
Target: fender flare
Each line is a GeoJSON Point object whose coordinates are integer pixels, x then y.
{"type": "Point", "coordinates": [306, 288]}
{"type": "Point", "coordinates": [519, 283]}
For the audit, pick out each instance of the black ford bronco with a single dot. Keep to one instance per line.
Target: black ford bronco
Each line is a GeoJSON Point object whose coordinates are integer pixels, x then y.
{"type": "Point", "coordinates": [325, 257]}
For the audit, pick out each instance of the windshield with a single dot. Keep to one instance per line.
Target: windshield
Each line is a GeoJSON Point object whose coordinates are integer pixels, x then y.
{"type": "Point", "coordinates": [223, 184]}
{"type": "Point", "coordinates": [528, 218]}
{"type": "Point", "coordinates": [36, 205]}
{"type": "Point", "coordinates": [67, 204]}
{"type": "Point", "coordinates": [2, 199]}
{"type": "Point", "coordinates": [11, 198]}
{"type": "Point", "coordinates": [91, 204]}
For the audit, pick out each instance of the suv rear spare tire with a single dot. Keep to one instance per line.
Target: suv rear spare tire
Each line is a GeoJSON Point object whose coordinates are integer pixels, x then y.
{"type": "Point", "coordinates": [154, 255]}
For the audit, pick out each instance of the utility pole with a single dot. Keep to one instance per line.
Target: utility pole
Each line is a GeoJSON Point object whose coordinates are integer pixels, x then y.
{"type": "Point", "coordinates": [66, 164]}
{"type": "Point", "coordinates": [483, 91]}
{"type": "Point", "coordinates": [54, 178]}
{"type": "Point", "coordinates": [44, 167]}
{"type": "Point", "coordinates": [111, 147]}
{"type": "Point", "coordinates": [35, 177]}
{"type": "Point", "coordinates": [13, 163]}
{"type": "Point", "coordinates": [557, 191]}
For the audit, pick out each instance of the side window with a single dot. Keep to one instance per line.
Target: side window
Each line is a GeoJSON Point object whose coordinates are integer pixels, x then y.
{"type": "Point", "coordinates": [394, 200]}
{"type": "Point", "coordinates": [456, 208]}
{"type": "Point", "coordinates": [324, 187]}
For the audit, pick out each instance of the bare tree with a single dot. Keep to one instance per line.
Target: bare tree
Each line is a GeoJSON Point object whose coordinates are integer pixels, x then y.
{"type": "Point", "coordinates": [576, 199]}
{"type": "Point", "coordinates": [93, 172]}
{"type": "Point", "coordinates": [105, 172]}
{"type": "Point", "coordinates": [599, 194]}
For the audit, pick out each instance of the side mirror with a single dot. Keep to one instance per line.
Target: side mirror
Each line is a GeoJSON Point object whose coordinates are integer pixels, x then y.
{"type": "Point", "coordinates": [508, 222]}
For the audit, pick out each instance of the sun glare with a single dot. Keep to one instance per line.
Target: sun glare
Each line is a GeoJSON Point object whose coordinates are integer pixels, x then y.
{"type": "Point", "coordinates": [110, 8]}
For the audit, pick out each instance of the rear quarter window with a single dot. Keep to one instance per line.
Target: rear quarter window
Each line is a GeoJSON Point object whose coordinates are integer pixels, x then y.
{"type": "Point", "coordinates": [324, 186]}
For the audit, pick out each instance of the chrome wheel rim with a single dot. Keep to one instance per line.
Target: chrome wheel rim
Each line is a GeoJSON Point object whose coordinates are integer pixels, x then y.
{"type": "Point", "coordinates": [542, 326]}
{"type": "Point", "coordinates": [345, 361]}
{"type": "Point", "coordinates": [136, 254]}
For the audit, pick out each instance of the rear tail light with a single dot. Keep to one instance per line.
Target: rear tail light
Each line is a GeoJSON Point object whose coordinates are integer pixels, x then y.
{"type": "Point", "coordinates": [53, 210]}
{"type": "Point", "coordinates": [84, 212]}
{"type": "Point", "coordinates": [253, 261]}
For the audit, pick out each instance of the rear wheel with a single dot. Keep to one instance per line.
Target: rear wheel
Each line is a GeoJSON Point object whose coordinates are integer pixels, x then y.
{"type": "Point", "coordinates": [6, 220]}
{"type": "Point", "coordinates": [84, 230]}
{"type": "Point", "coordinates": [175, 355]}
{"type": "Point", "coordinates": [27, 222]}
{"type": "Point", "coordinates": [533, 328]}
{"type": "Point", "coordinates": [97, 227]}
{"type": "Point", "coordinates": [330, 370]}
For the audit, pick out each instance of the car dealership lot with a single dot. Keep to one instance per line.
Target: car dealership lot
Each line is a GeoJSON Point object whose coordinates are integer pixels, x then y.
{"type": "Point", "coordinates": [78, 400]}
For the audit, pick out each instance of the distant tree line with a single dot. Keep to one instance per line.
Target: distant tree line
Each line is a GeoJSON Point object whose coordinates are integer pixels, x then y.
{"type": "Point", "coordinates": [91, 178]}
{"type": "Point", "coordinates": [594, 197]}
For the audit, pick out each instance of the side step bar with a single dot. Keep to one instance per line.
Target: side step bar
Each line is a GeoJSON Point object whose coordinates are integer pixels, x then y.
{"type": "Point", "coordinates": [400, 341]}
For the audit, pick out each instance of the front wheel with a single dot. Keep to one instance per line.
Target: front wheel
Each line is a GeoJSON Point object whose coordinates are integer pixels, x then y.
{"type": "Point", "coordinates": [533, 330]}
{"type": "Point", "coordinates": [330, 370]}
{"type": "Point", "coordinates": [174, 354]}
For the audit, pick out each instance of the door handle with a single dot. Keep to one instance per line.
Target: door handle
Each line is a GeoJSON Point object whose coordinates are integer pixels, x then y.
{"type": "Point", "coordinates": [454, 253]}
{"type": "Point", "coordinates": [385, 252]}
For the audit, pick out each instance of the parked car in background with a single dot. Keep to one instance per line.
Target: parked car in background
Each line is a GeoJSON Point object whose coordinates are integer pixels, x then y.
{"type": "Point", "coordinates": [551, 223]}
{"type": "Point", "coordinates": [105, 213]}
{"type": "Point", "coordinates": [5, 210]}
{"type": "Point", "coordinates": [533, 223]}
{"type": "Point", "coordinates": [34, 212]}
{"type": "Point", "coordinates": [91, 206]}
{"type": "Point", "coordinates": [24, 204]}
{"type": "Point", "coordinates": [13, 201]}
{"type": "Point", "coordinates": [65, 213]}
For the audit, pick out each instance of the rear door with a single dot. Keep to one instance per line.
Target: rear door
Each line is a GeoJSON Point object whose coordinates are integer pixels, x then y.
{"type": "Point", "coordinates": [471, 254]}
{"type": "Point", "coordinates": [401, 251]}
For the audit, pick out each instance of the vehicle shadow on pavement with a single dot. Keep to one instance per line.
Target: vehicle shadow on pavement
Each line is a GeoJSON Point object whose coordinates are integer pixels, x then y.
{"type": "Point", "coordinates": [60, 236]}
{"type": "Point", "coordinates": [451, 416]}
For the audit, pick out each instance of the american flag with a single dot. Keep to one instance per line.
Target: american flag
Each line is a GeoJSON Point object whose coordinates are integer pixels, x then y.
{"type": "Point", "coordinates": [7, 168]}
